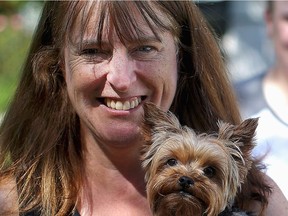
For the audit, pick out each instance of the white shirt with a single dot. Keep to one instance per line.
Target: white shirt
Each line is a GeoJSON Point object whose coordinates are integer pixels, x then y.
{"type": "Point", "coordinates": [272, 138]}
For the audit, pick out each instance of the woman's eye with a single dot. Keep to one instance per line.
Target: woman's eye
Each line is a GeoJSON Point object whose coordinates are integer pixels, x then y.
{"type": "Point", "coordinates": [171, 162]}
{"type": "Point", "coordinates": [94, 54]}
{"type": "Point", "coordinates": [145, 52]}
{"type": "Point", "coordinates": [90, 52]}
{"type": "Point", "coordinates": [146, 48]}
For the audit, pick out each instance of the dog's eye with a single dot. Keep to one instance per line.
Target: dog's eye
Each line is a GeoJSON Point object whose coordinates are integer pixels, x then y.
{"type": "Point", "coordinates": [172, 162]}
{"type": "Point", "coordinates": [209, 171]}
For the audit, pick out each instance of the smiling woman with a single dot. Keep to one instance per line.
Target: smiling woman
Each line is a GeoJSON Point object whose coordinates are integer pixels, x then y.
{"type": "Point", "coordinates": [70, 141]}
{"type": "Point", "coordinates": [121, 73]}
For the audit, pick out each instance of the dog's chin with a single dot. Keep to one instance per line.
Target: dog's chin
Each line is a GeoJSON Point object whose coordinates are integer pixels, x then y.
{"type": "Point", "coordinates": [178, 203]}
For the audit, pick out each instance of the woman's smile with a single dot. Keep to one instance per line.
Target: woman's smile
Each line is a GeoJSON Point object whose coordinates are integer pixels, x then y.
{"type": "Point", "coordinates": [122, 104]}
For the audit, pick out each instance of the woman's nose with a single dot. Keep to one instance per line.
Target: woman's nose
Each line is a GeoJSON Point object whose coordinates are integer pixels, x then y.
{"type": "Point", "coordinates": [121, 74]}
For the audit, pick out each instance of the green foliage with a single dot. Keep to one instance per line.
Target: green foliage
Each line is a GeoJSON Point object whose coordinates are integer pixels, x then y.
{"type": "Point", "coordinates": [11, 7]}
{"type": "Point", "coordinates": [17, 20]}
{"type": "Point", "coordinates": [14, 46]}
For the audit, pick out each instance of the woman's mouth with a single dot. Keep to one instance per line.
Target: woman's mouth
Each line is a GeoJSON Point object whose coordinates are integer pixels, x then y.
{"type": "Point", "coordinates": [122, 104]}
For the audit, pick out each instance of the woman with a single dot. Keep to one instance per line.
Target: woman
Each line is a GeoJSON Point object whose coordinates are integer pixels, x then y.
{"type": "Point", "coordinates": [70, 139]}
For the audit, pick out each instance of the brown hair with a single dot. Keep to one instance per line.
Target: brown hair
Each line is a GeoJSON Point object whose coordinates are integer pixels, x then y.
{"type": "Point", "coordinates": [39, 137]}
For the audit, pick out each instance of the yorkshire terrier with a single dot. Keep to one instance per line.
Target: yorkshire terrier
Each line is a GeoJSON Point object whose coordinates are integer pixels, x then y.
{"type": "Point", "coordinates": [194, 174]}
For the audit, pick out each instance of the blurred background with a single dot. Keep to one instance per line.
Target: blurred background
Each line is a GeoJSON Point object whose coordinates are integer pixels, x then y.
{"type": "Point", "coordinates": [17, 22]}
{"type": "Point", "coordinates": [240, 27]}
{"type": "Point", "coordinates": [238, 24]}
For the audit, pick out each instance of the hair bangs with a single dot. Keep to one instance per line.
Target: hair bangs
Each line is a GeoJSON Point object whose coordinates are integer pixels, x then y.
{"type": "Point", "coordinates": [97, 19]}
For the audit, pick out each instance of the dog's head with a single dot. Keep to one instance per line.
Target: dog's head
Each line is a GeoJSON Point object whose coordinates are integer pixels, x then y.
{"type": "Point", "coordinates": [189, 173]}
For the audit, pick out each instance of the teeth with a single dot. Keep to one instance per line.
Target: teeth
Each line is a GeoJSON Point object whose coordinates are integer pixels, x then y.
{"type": "Point", "coordinates": [126, 105]}
{"type": "Point", "coordinates": [112, 104]}
{"type": "Point", "coordinates": [122, 105]}
{"type": "Point", "coordinates": [132, 104]}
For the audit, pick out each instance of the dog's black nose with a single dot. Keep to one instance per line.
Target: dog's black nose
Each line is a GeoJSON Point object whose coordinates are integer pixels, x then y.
{"type": "Point", "coordinates": [185, 182]}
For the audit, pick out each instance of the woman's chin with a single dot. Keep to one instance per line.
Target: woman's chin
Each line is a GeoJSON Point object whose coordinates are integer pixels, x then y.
{"type": "Point", "coordinates": [120, 136]}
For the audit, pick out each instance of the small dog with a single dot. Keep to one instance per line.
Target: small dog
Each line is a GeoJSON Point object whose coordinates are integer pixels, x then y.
{"type": "Point", "coordinates": [193, 175]}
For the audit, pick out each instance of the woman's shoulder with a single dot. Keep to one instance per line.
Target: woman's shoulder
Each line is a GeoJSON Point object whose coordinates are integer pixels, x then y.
{"type": "Point", "coordinates": [277, 203]}
{"type": "Point", "coordinates": [8, 197]}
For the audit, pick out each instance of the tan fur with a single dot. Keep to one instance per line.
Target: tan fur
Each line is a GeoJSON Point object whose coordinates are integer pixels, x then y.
{"type": "Point", "coordinates": [228, 152]}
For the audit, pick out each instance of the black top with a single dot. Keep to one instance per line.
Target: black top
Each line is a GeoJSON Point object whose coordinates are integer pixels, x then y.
{"type": "Point", "coordinates": [37, 213]}
{"type": "Point", "coordinates": [226, 212]}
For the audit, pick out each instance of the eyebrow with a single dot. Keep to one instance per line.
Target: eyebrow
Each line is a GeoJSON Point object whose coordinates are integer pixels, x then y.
{"type": "Point", "coordinates": [149, 38]}
{"type": "Point", "coordinates": [140, 40]}
{"type": "Point", "coordinates": [91, 41]}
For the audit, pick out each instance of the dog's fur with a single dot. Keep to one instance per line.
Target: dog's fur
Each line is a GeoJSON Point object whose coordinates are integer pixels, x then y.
{"type": "Point", "coordinates": [194, 174]}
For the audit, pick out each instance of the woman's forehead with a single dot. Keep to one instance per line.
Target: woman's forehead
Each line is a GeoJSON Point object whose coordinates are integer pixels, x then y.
{"type": "Point", "coordinates": [127, 20]}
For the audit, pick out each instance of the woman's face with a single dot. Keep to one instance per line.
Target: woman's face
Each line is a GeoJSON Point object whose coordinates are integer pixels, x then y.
{"type": "Point", "coordinates": [107, 85]}
{"type": "Point", "coordinates": [277, 24]}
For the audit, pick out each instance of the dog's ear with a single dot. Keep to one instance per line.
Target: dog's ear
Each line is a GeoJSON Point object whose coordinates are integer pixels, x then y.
{"type": "Point", "coordinates": [243, 134]}
{"type": "Point", "coordinates": [155, 126]}
{"type": "Point", "coordinates": [156, 120]}
{"type": "Point", "coordinates": [241, 141]}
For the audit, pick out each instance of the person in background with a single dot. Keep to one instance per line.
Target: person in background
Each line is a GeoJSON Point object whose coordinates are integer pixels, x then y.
{"type": "Point", "coordinates": [70, 140]}
{"type": "Point", "coordinates": [266, 96]}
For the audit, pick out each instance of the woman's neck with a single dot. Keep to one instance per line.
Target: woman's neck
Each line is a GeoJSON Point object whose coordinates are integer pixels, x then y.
{"type": "Point", "coordinates": [8, 197]}
{"type": "Point", "coordinates": [113, 181]}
